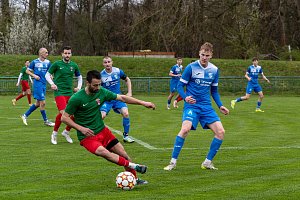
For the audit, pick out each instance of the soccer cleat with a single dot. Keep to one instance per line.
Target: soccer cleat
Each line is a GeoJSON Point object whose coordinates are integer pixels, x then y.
{"type": "Point", "coordinates": [14, 102]}
{"type": "Point", "coordinates": [48, 123]}
{"type": "Point", "coordinates": [232, 103]}
{"type": "Point", "coordinates": [168, 107]}
{"type": "Point", "coordinates": [67, 136]}
{"type": "Point", "coordinates": [141, 168]}
{"type": "Point", "coordinates": [258, 110]}
{"type": "Point", "coordinates": [128, 139]}
{"type": "Point", "coordinates": [170, 167]}
{"type": "Point", "coordinates": [141, 182]}
{"type": "Point", "coordinates": [206, 165]}
{"type": "Point", "coordinates": [24, 118]}
{"type": "Point", "coordinates": [175, 104]}
{"type": "Point", "coordinates": [53, 138]}
{"type": "Point", "coordinates": [30, 104]}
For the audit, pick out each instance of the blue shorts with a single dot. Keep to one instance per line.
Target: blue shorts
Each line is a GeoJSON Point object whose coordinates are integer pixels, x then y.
{"type": "Point", "coordinates": [173, 85]}
{"type": "Point", "coordinates": [205, 116]}
{"type": "Point", "coordinates": [115, 105]}
{"type": "Point", "coordinates": [250, 87]}
{"type": "Point", "coordinates": [39, 91]}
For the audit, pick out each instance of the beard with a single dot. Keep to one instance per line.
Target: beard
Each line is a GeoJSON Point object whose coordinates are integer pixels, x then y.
{"type": "Point", "coordinates": [93, 91]}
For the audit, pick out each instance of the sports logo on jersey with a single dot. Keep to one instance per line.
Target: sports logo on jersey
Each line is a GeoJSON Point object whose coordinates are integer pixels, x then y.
{"type": "Point", "coordinates": [190, 112]}
{"type": "Point", "coordinates": [198, 81]}
{"type": "Point", "coordinates": [71, 68]}
{"type": "Point", "coordinates": [98, 101]}
{"type": "Point", "coordinates": [210, 75]}
{"type": "Point", "coordinates": [116, 76]}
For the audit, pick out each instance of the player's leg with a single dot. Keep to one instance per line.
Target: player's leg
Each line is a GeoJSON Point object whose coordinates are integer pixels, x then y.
{"type": "Point", "coordinates": [215, 145]}
{"type": "Point", "coordinates": [190, 121]}
{"type": "Point", "coordinates": [243, 98]}
{"type": "Point", "coordinates": [105, 108]}
{"type": "Point", "coordinates": [259, 101]}
{"type": "Point", "coordinates": [126, 121]}
{"type": "Point", "coordinates": [28, 94]}
{"type": "Point", "coordinates": [61, 103]}
{"type": "Point", "coordinates": [42, 99]}
{"type": "Point", "coordinates": [171, 95]}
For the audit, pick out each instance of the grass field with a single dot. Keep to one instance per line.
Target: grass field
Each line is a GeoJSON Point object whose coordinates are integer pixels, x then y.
{"type": "Point", "coordinates": [259, 158]}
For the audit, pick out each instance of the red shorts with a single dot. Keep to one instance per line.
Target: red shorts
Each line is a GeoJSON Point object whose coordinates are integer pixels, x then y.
{"type": "Point", "coordinates": [104, 138]}
{"type": "Point", "coordinates": [61, 102]}
{"type": "Point", "coordinates": [25, 85]}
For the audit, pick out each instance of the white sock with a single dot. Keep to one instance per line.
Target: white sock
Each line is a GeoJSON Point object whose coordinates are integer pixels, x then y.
{"type": "Point", "coordinates": [207, 161]}
{"type": "Point", "coordinates": [173, 160]}
{"type": "Point", "coordinates": [132, 165]}
{"type": "Point", "coordinates": [54, 132]}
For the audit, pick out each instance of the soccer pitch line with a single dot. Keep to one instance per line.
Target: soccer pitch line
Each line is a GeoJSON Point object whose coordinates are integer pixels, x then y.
{"type": "Point", "coordinates": [151, 147]}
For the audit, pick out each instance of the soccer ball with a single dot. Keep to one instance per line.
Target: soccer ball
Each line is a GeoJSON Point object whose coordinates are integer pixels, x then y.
{"type": "Point", "coordinates": [125, 181]}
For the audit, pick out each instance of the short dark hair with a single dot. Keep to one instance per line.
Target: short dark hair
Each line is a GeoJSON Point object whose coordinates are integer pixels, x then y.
{"type": "Point", "coordinates": [66, 48]}
{"type": "Point", "coordinates": [93, 74]}
{"type": "Point", "coordinates": [254, 58]}
{"type": "Point", "coordinates": [179, 58]}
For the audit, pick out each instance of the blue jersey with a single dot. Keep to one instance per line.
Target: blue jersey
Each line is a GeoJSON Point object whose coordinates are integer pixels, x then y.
{"type": "Point", "coordinates": [111, 81]}
{"type": "Point", "coordinates": [253, 73]}
{"type": "Point", "coordinates": [40, 69]}
{"type": "Point", "coordinates": [198, 81]}
{"type": "Point", "coordinates": [176, 70]}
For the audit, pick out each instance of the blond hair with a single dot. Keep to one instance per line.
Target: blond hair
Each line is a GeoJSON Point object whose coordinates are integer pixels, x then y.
{"type": "Point", "coordinates": [207, 47]}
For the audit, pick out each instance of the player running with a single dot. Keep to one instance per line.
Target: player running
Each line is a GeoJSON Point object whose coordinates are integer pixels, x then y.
{"type": "Point", "coordinates": [252, 76]}
{"type": "Point", "coordinates": [63, 72]}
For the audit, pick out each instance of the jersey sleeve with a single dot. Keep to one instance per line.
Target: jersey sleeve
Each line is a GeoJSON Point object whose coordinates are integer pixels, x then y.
{"type": "Point", "coordinates": [123, 76]}
{"type": "Point", "coordinates": [31, 66]}
{"type": "Point", "coordinates": [172, 70]}
{"type": "Point", "coordinates": [248, 70]}
{"type": "Point", "coordinates": [109, 95]}
{"type": "Point", "coordinates": [77, 71]}
{"type": "Point", "coordinates": [216, 80]}
{"type": "Point", "coordinates": [72, 105]}
{"type": "Point", "coordinates": [53, 68]}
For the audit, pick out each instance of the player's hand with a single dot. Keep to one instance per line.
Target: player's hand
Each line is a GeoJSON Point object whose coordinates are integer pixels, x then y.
{"type": "Point", "coordinates": [224, 110]}
{"type": "Point", "coordinates": [36, 77]}
{"type": "Point", "coordinates": [17, 84]}
{"type": "Point", "coordinates": [76, 90]}
{"type": "Point", "coordinates": [149, 105]}
{"type": "Point", "coordinates": [190, 99]}
{"type": "Point", "coordinates": [268, 80]}
{"type": "Point", "coordinates": [87, 132]}
{"type": "Point", "coordinates": [53, 87]}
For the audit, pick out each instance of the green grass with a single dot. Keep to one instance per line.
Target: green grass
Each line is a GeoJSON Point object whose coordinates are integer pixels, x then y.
{"type": "Point", "coordinates": [259, 158]}
{"type": "Point", "coordinates": [10, 65]}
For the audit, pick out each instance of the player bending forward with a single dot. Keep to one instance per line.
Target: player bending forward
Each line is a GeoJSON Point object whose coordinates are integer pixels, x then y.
{"type": "Point", "coordinates": [91, 131]}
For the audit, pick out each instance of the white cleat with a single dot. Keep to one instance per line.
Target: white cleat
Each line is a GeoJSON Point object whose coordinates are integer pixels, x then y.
{"type": "Point", "coordinates": [67, 136]}
{"type": "Point", "coordinates": [128, 139]}
{"type": "Point", "coordinates": [49, 123]}
{"type": "Point", "coordinates": [170, 167]}
{"type": "Point", "coordinates": [208, 165]}
{"type": "Point", "coordinates": [13, 102]}
{"type": "Point", "coordinates": [54, 138]}
{"type": "Point", "coordinates": [24, 118]}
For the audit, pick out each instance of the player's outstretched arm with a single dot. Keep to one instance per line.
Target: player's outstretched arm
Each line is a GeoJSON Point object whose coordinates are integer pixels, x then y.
{"type": "Point", "coordinates": [132, 100]}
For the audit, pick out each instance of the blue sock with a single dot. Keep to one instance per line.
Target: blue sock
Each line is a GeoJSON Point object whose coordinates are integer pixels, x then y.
{"type": "Point", "coordinates": [214, 147]}
{"type": "Point", "coordinates": [30, 110]}
{"type": "Point", "coordinates": [258, 104]}
{"type": "Point", "coordinates": [169, 101]}
{"type": "Point", "coordinates": [239, 99]}
{"type": "Point", "coordinates": [179, 141]}
{"type": "Point", "coordinates": [126, 125]}
{"type": "Point", "coordinates": [43, 112]}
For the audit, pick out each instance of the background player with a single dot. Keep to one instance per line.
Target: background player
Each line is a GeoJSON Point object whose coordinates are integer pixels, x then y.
{"type": "Point", "coordinates": [252, 76]}
{"type": "Point", "coordinates": [37, 69]}
{"type": "Point", "coordinates": [91, 131]}
{"type": "Point", "coordinates": [110, 79]}
{"type": "Point", "coordinates": [63, 71]}
{"type": "Point", "coordinates": [201, 81]}
{"type": "Point", "coordinates": [175, 73]}
{"type": "Point", "coordinates": [23, 78]}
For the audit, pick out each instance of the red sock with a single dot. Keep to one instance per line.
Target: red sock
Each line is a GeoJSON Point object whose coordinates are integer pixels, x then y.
{"type": "Point", "coordinates": [68, 128]}
{"type": "Point", "coordinates": [57, 122]}
{"type": "Point", "coordinates": [123, 162]}
{"type": "Point", "coordinates": [20, 96]}
{"type": "Point", "coordinates": [29, 98]}
{"type": "Point", "coordinates": [131, 170]}
{"type": "Point", "coordinates": [179, 98]}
